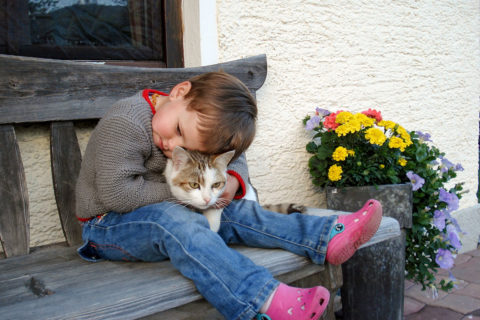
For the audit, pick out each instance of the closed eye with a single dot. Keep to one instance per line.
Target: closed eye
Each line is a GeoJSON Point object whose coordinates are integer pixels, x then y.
{"type": "Point", "coordinates": [179, 132]}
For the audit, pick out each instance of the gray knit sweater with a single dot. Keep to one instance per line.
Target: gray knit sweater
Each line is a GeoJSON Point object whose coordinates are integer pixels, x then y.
{"type": "Point", "coordinates": [122, 169]}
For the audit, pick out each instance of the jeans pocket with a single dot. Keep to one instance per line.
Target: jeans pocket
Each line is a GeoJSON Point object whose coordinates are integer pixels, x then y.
{"type": "Point", "coordinates": [89, 253]}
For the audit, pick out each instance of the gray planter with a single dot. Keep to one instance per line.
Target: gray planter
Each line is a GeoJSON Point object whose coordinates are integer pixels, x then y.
{"type": "Point", "coordinates": [374, 278]}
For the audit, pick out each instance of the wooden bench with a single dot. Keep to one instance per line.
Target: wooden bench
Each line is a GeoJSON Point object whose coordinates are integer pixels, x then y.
{"type": "Point", "coordinates": [53, 282]}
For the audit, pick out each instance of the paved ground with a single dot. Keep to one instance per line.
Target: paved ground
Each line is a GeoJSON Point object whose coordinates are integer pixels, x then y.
{"type": "Point", "coordinates": [461, 303]}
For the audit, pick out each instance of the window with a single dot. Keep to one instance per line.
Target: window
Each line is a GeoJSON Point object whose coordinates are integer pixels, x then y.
{"type": "Point", "coordinates": [140, 30]}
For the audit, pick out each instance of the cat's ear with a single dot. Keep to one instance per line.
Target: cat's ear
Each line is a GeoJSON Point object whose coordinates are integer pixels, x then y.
{"type": "Point", "coordinates": [224, 158]}
{"type": "Point", "coordinates": [179, 157]}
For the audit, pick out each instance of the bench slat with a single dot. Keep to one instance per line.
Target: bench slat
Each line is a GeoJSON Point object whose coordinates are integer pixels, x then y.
{"type": "Point", "coordinates": [66, 161]}
{"type": "Point", "coordinates": [14, 214]}
{"type": "Point", "coordinates": [36, 90]}
{"type": "Point", "coordinates": [55, 283]}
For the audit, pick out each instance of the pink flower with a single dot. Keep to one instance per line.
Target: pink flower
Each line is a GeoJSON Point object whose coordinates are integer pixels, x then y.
{"type": "Point", "coordinates": [329, 121]}
{"type": "Point", "coordinates": [373, 114]}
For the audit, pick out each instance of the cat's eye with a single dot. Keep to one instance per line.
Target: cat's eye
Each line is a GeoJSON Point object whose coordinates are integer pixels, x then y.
{"type": "Point", "coordinates": [217, 185]}
{"type": "Point", "coordinates": [194, 185]}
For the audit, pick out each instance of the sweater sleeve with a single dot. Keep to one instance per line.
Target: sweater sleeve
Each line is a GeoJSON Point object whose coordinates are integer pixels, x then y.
{"type": "Point", "coordinates": [239, 169]}
{"type": "Point", "coordinates": [120, 171]}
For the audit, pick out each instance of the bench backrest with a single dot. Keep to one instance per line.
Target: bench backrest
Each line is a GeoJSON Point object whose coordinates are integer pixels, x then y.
{"type": "Point", "coordinates": [60, 92]}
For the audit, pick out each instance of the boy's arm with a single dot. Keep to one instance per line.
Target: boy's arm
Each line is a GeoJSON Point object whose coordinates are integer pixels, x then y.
{"type": "Point", "coordinates": [120, 170]}
{"type": "Point", "coordinates": [239, 170]}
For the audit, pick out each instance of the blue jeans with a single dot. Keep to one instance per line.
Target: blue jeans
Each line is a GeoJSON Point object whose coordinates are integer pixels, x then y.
{"type": "Point", "coordinates": [231, 282]}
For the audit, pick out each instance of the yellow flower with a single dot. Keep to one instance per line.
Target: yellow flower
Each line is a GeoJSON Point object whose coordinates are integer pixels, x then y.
{"type": "Point", "coordinates": [405, 135]}
{"type": "Point", "coordinates": [343, 117]}
{"type": "Point", "coordinates": [382, 166]}
{"type": "Point", "coordinates": [375, 136]}
{"type": "Point", "coordinates": [335, 173]}
{"type": "Point", "coordinates": [364, 120]}
{"type": "Point", "coordinates": [397, 143]}
{"type": "Point", "coordinates": [340, 154]}
{"type": "Point", "coordinates": [387, 124]}
{"type": "Point", "coordinates": [402, 162]}
{"type": "Point", "coordinates": [351, 152]}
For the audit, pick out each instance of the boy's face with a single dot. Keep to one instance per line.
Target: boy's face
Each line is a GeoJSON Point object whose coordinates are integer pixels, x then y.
{"type": "Point", "coordinates": [173, 125]}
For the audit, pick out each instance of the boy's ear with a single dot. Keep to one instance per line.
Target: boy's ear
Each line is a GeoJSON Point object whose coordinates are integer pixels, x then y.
{"type": "Point", "coordinates": [179, 157]}
{"type": "Point", "coordinates": [180, 90]}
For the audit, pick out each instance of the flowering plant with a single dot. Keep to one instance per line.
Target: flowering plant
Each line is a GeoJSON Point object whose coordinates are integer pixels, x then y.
{"type": "Point", "coordinates": [357, 149]}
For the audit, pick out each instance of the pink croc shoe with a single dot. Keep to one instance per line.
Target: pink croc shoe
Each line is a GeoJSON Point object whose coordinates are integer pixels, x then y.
{"type": "Point", "coordinates": [353, 230]}
{"type": "Point", "coordinates": [290, 303]}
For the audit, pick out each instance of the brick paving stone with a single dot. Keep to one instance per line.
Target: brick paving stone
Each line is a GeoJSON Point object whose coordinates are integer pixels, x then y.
{"type": "Point", "coordinates": [411, 306]}
{"type": "Point", "coordinates": [408, 284]}
{"type": "Point", "coordinates": [435, 313]}
{"type": "Point", "coordinates": [468, 271]}
{"type": "Point", "coordinates": [475, 253]}
{"type": "Point", "coordinates": [425, 296]}
{"type": "Point", "coordinates": [462, 258]}
{"type": "Point", "coordinates": [472, 290]}
{"type": "Point", "coordinates": [458, 303]}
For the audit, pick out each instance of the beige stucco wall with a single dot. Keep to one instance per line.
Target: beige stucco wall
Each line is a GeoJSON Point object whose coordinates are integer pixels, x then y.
{"type": "Point", "coordinates": [416, 61]}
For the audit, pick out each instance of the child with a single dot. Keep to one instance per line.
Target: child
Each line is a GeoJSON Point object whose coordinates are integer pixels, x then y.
{"type": "Point", "coordinates": [122, 201]}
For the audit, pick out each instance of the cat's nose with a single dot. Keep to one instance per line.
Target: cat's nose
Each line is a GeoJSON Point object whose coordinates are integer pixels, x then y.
{"type": "Point", "coordinates": [207, 200]}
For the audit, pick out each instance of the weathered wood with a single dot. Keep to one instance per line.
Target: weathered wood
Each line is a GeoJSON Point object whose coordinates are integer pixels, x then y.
{"type": "Point", "coordinates": [173, 33]}
{"type": "Point", "coordinates": [57, 284]}
{"type": "Point", "coordinates": [14, 215]}
{"type": "Point", "coordinates": [36, 90]}
{"type": "Point", "coordinates": [374, 282]}
{"type": "Point", "coordinates": [66, 161]}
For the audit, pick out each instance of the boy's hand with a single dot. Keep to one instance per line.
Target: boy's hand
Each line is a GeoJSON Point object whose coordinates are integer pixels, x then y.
{"type": "Point", "coordinates": [229, 192]}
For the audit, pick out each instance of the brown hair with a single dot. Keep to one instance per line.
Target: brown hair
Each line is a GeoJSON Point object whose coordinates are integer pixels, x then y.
{"type": "Point", "coordinates": [227, 112]}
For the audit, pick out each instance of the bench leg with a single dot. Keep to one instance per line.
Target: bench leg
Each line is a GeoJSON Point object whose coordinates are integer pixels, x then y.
{"type": "Point", "coordinates": [374, 281]}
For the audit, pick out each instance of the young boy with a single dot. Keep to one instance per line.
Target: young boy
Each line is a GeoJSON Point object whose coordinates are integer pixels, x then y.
{"type": "Point", "coordinates": [122, 200]}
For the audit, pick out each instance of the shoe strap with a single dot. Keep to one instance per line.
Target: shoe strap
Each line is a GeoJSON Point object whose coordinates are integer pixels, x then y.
{"type": "Point", "coordinates": [337, 228]}
{"type": "Point", "coordinates": [262, 316]}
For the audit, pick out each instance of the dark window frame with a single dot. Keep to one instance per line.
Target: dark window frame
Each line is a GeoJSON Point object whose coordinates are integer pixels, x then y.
{"type": "Point", "coordinates": [14, 28]}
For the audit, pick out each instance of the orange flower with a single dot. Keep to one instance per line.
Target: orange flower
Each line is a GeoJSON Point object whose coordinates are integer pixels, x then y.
{"type": "Point", "coordinates": [329, 121]}
{"type": "Point", "coordinates": [377, 115]}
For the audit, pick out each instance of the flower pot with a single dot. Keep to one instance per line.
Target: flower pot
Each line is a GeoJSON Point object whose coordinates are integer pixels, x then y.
{"type": "Point", "coordinates": [396, 200]}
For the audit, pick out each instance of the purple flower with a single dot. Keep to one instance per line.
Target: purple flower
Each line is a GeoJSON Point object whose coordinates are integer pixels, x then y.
{"type": "Point", "coordinates": [416, 180]}
{"type": "Point", "coordinates": [458, 167]}
{"type": "Point", "coordinates": [322, 112]}
{"type": "Point", "coordinates": [450, 199]}
{"type": "Point", "coordinates": [439, 219]}
{"type": "Point", "coordinates": [423, 136]}
{"type": "Point", "coordinates": [312, 123]}
{"type": "Point", "coordinates": [452, 236]}
{"type": "Point", "coordinates": [454, 221]}
{"type": "Point", "coordinates": [446, 165]}
{"type": "Point", "coordinates": [444, 259]}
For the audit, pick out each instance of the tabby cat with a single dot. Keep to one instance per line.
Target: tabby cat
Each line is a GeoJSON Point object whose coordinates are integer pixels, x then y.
{"type": "Point", "coordinates": [198, 180]}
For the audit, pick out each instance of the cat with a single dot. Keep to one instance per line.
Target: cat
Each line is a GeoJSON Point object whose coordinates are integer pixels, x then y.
{"type": "Point", "coordinates": [198, 180]}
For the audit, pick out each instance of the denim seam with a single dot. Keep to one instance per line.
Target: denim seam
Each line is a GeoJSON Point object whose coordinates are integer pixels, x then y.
{"type": "Point", "coordinates": [113, 246]}
{"type": "Point", "coordinates": [250, 307]}
{"type": "Point", "coordinates": [270, 235]}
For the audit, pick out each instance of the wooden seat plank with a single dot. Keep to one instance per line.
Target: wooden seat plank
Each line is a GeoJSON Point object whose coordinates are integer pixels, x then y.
{"type": "Point", "coordinates": [39, 283]}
